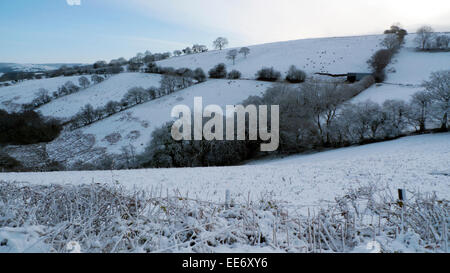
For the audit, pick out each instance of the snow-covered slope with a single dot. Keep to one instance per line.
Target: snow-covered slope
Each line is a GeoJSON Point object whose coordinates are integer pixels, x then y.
{"type": "Point", "coordinates": [134, 126]}
{"type": "Point", "coordinates": [333, 55]}
{"type": "Point", "coordinates": [407, 71]}
{"type": "Point", "coordinates": [114, 88]}
{"type": "Point", "coordinates": [12, 97]}
{"type": "Point", "coordinates": [419, 163]}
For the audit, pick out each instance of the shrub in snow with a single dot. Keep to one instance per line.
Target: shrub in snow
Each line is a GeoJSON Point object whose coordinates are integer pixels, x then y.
{"type": "Point", "coordinates": [108, 218]}
{"type": "Point", "coordinates": [380, 59]}
{"type": "Point", "coordinates": [295, 75]}
{"type": "Point", "coordinates": [97, 79]}
{"type": "Point", "coordinates": [27, 127]}
{"type": "Point", "coordinates": [268, 74]}
{"type": "Point", "coordinates": [84, 82]}
{"type": "Point", "coordinates": [199, 75]}
{"type": "Point", "coordinates": [218, 72]}
{"type": "Point", "coordinates": [136, 95]}
{"type": "Point", "coordinates": [167, 70]}
{"type": "Point", "coordinates": [234, 74]}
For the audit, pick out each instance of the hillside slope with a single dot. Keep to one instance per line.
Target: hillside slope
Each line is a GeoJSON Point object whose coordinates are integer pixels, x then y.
{"type": "Point", "coordinates": [12, 97]}
{"type": "Point", "coordinates": [333, 55]}
{"type": "Point", "coordinates": [114, 88]}
{"type": "Point", "coordinates": [135, 125]}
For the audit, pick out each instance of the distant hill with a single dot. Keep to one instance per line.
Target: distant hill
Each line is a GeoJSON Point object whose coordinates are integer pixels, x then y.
{"type": "Point", "coordinates": [15, 67]}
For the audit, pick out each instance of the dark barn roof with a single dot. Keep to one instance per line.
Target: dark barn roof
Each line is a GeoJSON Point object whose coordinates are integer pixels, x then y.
{"type": "Point", "coordinates": [354, 77]}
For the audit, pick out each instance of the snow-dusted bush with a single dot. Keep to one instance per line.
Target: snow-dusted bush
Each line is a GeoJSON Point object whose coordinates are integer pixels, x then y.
{"type": "Point", "coordinates": [234, 74]}
{"type": "Point", "coordinates": [199, 75]}
{"type": "Point", "coordinates": [218, 72]}
{"type": "Point", "coordinates": [84, 82]}
{"type": "Point", "coordinates": [295, 75]}
{"type": "Point", "coordinates": [268, 74]}
{"type": "Point", "coordinates": [380, 59]}
{"type": "Point", "coordinates": [136, 95]}
{"type": "Point", "coordinates": [109, 218]}
{"type": "Point", "coordinates": [97, 79]}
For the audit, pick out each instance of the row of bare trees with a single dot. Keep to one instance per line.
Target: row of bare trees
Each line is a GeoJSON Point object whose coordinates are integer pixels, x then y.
{"type": "Point", "coordinates": [135, 96]}
{"type": "Point", "coordinates": [43, 96]}
{"type": "Point", "coordinates": [427, 39]}
{"type": "Point", "coordinates": [393, 40]}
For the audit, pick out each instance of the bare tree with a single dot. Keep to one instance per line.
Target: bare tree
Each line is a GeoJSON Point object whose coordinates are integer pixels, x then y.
{"type": "Point", "coordinates": [97, 79]}
{"type": "Point", "coordinates": [439, 88]}
{"type": "Point", "coordinates": [136, 95]}
{"type": "Point", "coordinates": [112, 107]}
{"type": "Point", "coordinates": [442, 41]}
{"type": "Point", "coordinates": [394, 115]}
{"type": "Point", "coordinates": [84, 82]}
{"type": "Point", "coordinates": [424, 36]}
{"type": "Point", "coordinates": [391, 41]}
{"type": "Point", "coordinates": [87, 114]}
{"type": "Point", "coordinates": [220, 43]}
{"type": "Point", "coordinates": [42, 97]}
{"type": "Point", "coordinates": [418, 113]}
{"type": "Point", "coordinates": [231, 55]}
{"type": "Point", "coordinates": [168, 84]}
{"type": "Point", "coordinates": [244, 51]}
{"type": "Point", "coordinates": [177, 53]}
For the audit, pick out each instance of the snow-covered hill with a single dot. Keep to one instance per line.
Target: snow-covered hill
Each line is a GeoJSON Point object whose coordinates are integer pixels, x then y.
{"type": "Point", "coordinates": [332, 55]}
{"type": "Point", "coordinates": [12, 97]}
{"type": "Point", "coordinates": [134, 126]}
{"type": "Point", "coordinates": [15, 67]}
{"type": "Point", "coordinates": [114, 88]}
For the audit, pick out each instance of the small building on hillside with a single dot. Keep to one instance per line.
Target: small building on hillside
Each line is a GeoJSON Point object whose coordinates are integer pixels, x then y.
{"type": "Point", "coordinates": [356, 77]}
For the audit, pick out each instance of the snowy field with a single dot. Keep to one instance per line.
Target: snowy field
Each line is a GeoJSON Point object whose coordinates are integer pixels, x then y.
{"type": "Point", "coordinates": [279, 205]}
{"type": "Point", "coordinates": [333, 55]}
{"type": "Point", "coordinates": [114, 88]}
{"type": "Point", "coordinates": [12, 97]}
{"type": "Point", "coordinates": [417, 163]}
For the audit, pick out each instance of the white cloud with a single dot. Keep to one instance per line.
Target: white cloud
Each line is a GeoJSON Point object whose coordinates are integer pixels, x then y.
{"type": "Point", "coordinates": [73, 2]}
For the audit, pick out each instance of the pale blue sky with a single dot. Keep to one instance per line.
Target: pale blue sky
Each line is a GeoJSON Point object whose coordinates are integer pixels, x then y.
{"type": "Point", "coordinates": [46, 31]}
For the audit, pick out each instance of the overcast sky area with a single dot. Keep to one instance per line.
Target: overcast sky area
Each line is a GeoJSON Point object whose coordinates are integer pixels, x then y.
{"type": "Point", "coordinates": [83, 31]}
